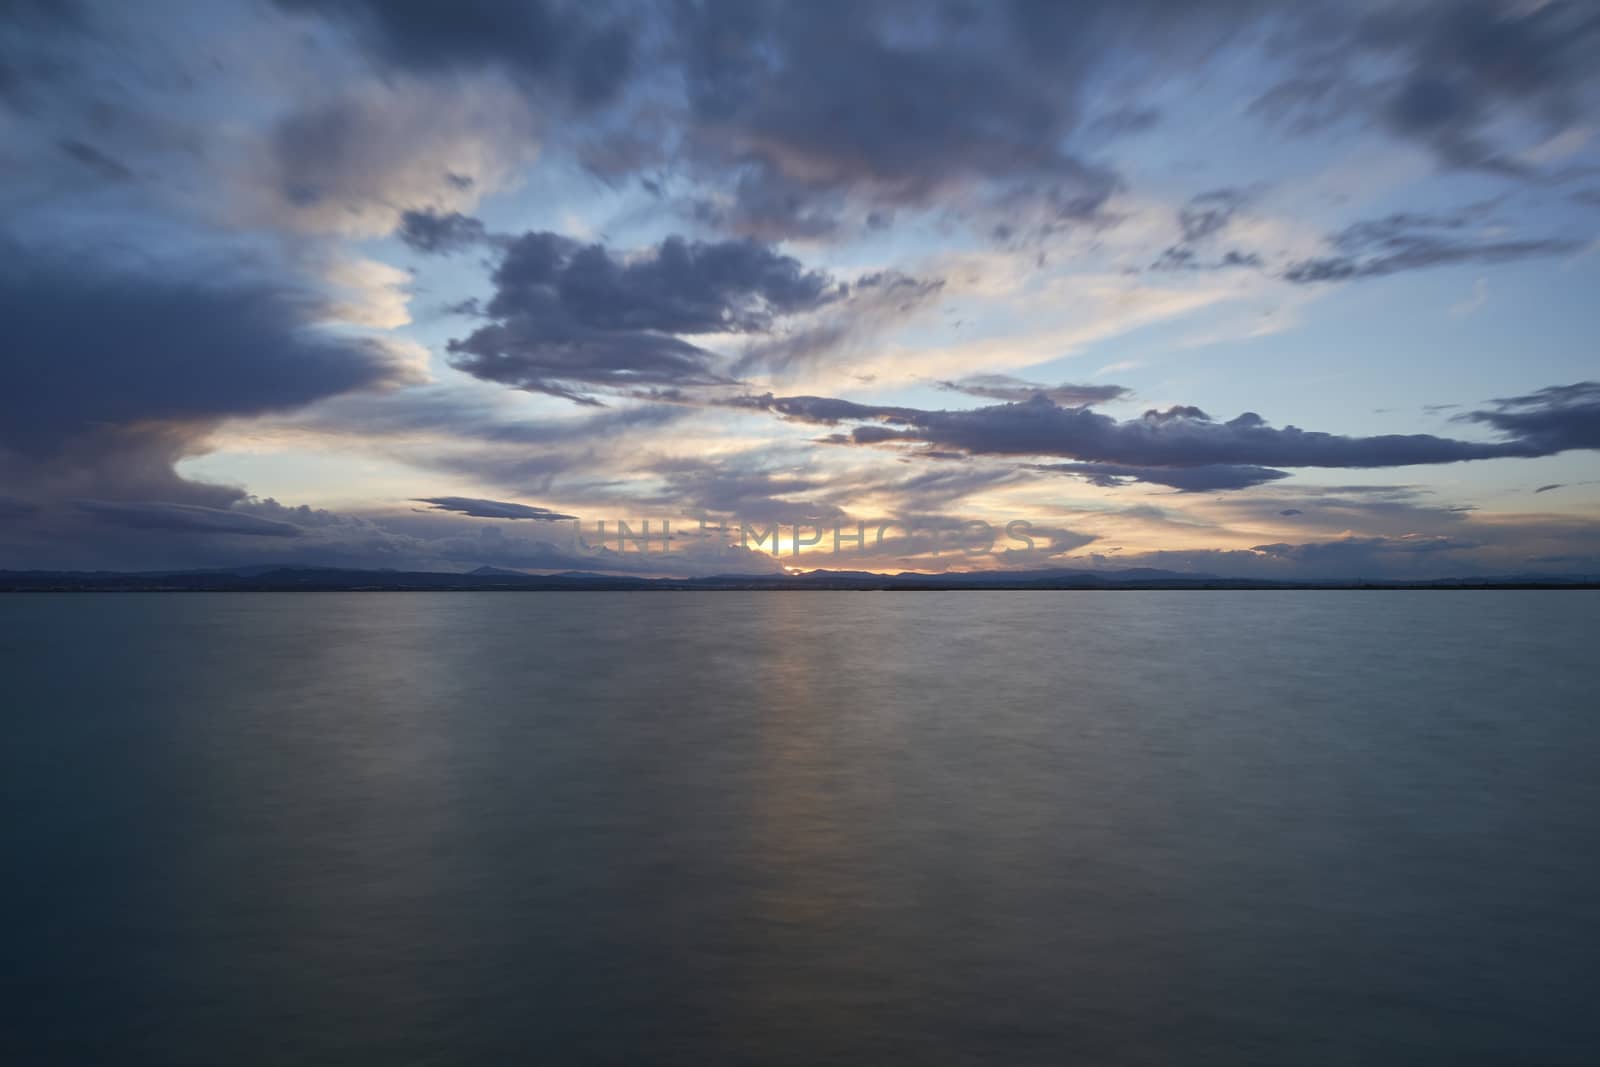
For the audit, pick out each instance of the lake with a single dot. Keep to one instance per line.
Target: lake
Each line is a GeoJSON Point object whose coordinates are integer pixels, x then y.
{"type": "Point", "coordinates": [1095, 828]}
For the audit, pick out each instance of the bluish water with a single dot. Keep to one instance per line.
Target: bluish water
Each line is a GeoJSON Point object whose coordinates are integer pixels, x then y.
{"type": "Point", "coordinates": [801, 828]}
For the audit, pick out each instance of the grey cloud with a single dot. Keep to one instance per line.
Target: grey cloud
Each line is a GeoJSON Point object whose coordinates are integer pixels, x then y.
{"type": "Point", "coordinates": [1201, 219]}
{"type": "Point", "coordinates": [1554, 419]}
{"type": "Point", "coordinates": [1183, 437]}
{"type": "Point", "coordinates": [571, 361]}
{"type": "Point", "coordinates": [561, 48]}
{"type": "Point", "coordinates": [824, 410]}
{"type": "Point", "coordinates": [492, 546]}
{"type": "Point", "coordinates": [1178, 257]}
{"type": "Point", "coordinates": [1339, 559]}
{"type": "Point", "coordinates": [1209, 213]}
{"type": "Point", "coordinates": [492, 509]}
{"type": "Point", "coordinates": [158, 536]}
{"type": "Point", "coordinates": [188, 518]}
{"type": "Point", "coordinates": [931, 489]}
{"type": "Point", "coordinates": [1462, 65]}
{"type": "Point", "coordinates": [768, 205]}
{"type": "Point", "coordinates": [1008, 388]}
{"type": "Point", "coordinates": [1349, 550]}
{"type": "Point", "coordinates": [824, 86]}
{"type": "Point", "coordinates": [1470, 59]}
{"type": "Point", "coordinates": [1311, 102]}
{"type": "Point", "coordinates": [568, 319]}
{"type": "Point", "coordinates": [470, 418]}
{"type": "Point", "coordinates": [745, 486]}
{"type": "Point", "coordinates": [1403, 242]}
{"type": "Point", "coordinates": [96, 160]}
{"type": "Point", "coordinates": [354, 159]}
{"type": "Point", "coordinates": [940, 487]}
{"type": "Point", "coordinates": [1397, 558]}
{"type": "Point", "coordinates": [857, 316]}
{"type": "Point", "coordinates": [1391, 510]}
{"type": "Point", "coordinates": [677, 287]}
{"type": "Point", "coordinates": [1548, 488]}
{"type": "Point", "coordinates": [440, 233]}
{"type": "Point", "coordinates": [1211, 478]}
{"type": "Point", "coordinates": [891, 104]}
{"type": "Point", "coordinates": [1125, 120]}
{"type": "Point", "coordinates": [466, 433]}
{"type": "Point", "coordinates": [24, 67]}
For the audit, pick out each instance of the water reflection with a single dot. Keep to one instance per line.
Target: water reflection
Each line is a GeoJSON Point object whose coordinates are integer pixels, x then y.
{"type": "Point", "coordinates": [801, 828]}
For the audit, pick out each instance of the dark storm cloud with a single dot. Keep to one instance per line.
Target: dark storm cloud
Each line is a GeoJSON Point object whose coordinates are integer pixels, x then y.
{"type": "Point", "coordinates": [1212, 478]}
{"type": "Point", "coordinates": [569, 318]}
{"type": "Point", "coordinates": [793, 108]}
{"type": "Point", "coordinates": [1006, 387]}
{"type": "Point", "coordinates": [114, 373]}
{"type": "Point", "coordinates": [1403, 242]}
{"type": "Point", "coordinates": [1184, 437]}
{"type": "Point", "coordinates": [90, 348]}
{"type": "Point", "coordinates": [432, 232]}
{"type": "Point", "coordinates": [569, 48]}
{"type": "Point", "coordinates": [807, 115]}
{"type": "Point", "coordinates": [185, 518]}
{"type": "Point", "coordinates": [492, 509]}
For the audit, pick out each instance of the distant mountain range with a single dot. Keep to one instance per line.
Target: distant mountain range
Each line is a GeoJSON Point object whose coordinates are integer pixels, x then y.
{"type": "Point", "coordinates": [285, 579]}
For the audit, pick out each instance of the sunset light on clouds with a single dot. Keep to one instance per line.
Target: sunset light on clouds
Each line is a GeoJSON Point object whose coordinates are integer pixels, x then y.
{"type": "Point", "coordinates": [1254, 290]}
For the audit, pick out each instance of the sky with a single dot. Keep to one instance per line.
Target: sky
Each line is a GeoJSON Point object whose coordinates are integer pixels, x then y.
{"type": "Point", "coordinates": [1248, 289]}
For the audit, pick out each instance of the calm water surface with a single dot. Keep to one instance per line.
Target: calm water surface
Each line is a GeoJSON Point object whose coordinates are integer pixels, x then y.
{"type": "Point", "coordinates": [801, 828]}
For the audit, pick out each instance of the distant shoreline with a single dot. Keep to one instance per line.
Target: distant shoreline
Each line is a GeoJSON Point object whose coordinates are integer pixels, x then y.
{"type": "Point", "coordinates": [293, 580]}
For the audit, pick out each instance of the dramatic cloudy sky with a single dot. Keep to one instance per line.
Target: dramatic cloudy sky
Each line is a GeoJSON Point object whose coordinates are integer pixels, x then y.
{"type": "Point", "coordinates": [1245, 288]}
